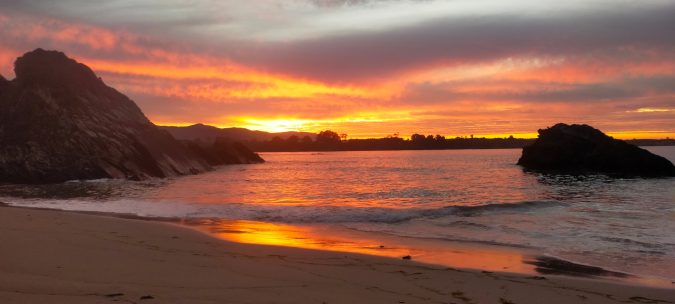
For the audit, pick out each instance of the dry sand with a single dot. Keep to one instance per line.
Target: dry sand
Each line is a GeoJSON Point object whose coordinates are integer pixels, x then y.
{"type": "Point", "coordinates": [61, 257]}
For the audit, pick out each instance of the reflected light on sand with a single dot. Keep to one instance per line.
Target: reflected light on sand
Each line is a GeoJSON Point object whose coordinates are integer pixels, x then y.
{"type": "Point", "coordinates": [335, 238]}
{"type": "Point", "coordinates": [436, 252]}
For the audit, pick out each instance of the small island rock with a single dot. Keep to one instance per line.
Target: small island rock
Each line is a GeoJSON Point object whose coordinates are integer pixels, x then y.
{"type": "Point", "coordinates": [579, 149]}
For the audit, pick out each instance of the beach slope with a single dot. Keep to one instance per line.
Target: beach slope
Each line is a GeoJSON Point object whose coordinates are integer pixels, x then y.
{"type": "Point", "coordinates": [61, 257]}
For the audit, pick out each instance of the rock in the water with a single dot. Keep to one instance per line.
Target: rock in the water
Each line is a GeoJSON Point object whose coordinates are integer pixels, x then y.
{"type": "Point", "coordinates": [583, 149]}
{"type": "Point", "coordinates": [59, 122]}
{"type": "Point", "coordinates": [223, 151]}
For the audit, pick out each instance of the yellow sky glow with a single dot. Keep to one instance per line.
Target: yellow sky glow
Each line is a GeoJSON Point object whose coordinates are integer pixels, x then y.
{"type": "Point", "coordinates": [257, 85]}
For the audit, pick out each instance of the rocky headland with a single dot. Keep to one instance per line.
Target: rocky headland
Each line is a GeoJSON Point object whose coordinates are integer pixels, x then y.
{"type": "Point", "coordinates": [60, 122]}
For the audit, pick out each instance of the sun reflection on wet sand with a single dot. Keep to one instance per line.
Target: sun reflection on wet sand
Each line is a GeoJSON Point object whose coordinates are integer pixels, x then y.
{"type": "Point", "coordinates": [437, 252]}
{"type": "Point", "coordinates": [334, 238]}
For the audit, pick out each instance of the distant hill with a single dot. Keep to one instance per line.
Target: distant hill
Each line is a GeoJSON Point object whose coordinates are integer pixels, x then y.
{"type": "Point", "coordinates": [208, 133]}
{"type": "Point", "coordinates": [60, 122]}
{"type": "Point", "coordinates": [260, 141]}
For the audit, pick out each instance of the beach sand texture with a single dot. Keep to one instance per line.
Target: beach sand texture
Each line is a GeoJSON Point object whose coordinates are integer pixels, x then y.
{"type": "Point", "coordinates": [62, 257]}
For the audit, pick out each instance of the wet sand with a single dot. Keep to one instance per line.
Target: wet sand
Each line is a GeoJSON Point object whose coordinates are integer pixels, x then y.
{"type": "Point", "coordinates": [62, 257]}
{"type": "Point", "coordinates": [485, 256]}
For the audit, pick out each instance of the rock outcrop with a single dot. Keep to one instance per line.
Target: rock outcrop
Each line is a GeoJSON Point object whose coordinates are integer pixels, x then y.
{"type": "Point", "coordinates": [223, 152]}
{"type": "Point", "coordinates": [3, 83]}
{"type": "Point", "coordinates": [59, 122]}
{"type": "Point", "coordinates": [579, 149]}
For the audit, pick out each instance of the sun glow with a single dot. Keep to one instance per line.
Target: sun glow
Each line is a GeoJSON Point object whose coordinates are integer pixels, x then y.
{"type": "Point", "coordinates": [276, 125]}
{"type": "Point", "coordinates": [243, 82]}
{"type": "Point", "coordinates": [334, 239]}
{"type": "Point", "coordinates": [270, 78]}
{"type": "Point", "coordinates": [642, 134]}
{"type": "Point", "coordinates": [338, 124]}
{"type": "Point", "coordinates": [653, 110]}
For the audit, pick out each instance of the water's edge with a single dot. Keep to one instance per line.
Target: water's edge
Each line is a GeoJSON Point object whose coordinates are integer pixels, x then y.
{"type": "Point", "coordinates": [533, 263]}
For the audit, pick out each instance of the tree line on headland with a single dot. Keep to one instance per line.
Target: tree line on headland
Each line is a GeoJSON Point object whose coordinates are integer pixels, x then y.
{"type": "Point", "coordinates": [328, 140]}
{"type": "Point", "coordinates": [332, 141]}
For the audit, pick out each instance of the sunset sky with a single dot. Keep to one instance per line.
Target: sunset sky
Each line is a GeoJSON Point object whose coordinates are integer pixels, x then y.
{"type": "Point", "coordinates": [370, 68]}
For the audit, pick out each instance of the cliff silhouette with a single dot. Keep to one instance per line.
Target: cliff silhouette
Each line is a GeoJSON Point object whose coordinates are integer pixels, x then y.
{"type": "Point", "coordinates": [59, 122]}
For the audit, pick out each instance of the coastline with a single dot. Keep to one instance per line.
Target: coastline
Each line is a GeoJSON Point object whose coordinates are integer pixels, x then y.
{"type": "Point", "coordinates": [467, 255]}
{"type": "Point", "coordinates": [67, 257]}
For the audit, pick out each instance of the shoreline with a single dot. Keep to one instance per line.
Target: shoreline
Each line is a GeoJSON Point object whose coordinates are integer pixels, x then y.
{"type": "Point", "coordinates": [470, 256]}
{"type": "Point", "coordinates": [68, 257]}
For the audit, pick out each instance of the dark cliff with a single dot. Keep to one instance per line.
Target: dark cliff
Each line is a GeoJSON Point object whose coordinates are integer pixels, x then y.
{"type": "Point", "coordinates": [583, 149]}
{"type": "Point", "coordinates": [59, 122]}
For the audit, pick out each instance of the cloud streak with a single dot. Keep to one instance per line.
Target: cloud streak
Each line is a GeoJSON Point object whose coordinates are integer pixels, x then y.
{"type": "Point", "coordinates": [370, 67]}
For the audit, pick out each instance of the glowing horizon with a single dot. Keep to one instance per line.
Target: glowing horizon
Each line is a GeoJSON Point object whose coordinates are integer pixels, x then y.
{"type": "Point", "coordinates": [371, 68]}
{"type": "Point", "coordinates": [280, 128]}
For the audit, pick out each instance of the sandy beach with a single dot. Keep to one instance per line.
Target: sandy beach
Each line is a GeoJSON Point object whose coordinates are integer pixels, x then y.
{"type": "Point", "coordinates": [62, 257]}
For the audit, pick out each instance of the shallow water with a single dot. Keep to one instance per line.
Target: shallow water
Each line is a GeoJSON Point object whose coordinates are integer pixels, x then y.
{"type": "Point", "coordinates": [470, 196]}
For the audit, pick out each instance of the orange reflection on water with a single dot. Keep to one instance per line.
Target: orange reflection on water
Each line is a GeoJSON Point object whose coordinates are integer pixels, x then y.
{"type": "Point", "coordinates": [336, 238]}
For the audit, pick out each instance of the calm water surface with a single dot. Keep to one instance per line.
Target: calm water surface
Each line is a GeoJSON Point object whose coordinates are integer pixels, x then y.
{"type": "Point", "coordinates": [413, 200]}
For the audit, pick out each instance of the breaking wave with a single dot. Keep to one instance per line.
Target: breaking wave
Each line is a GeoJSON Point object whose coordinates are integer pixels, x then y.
{"type": "Point", "coordinates": [273, 213]}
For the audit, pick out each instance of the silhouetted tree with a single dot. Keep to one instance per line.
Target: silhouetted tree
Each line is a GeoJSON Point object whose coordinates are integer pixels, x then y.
{"type": "Point", "coordinates": [292, 140]}
{"type": "Point", "coordinates": [332, 141]}
{"type": "Point", "coordinates": [327, 137]}
{"type": "Point", "coordinates": [417, 138]}
{"type": "Point", "coordinates": [327, 140]}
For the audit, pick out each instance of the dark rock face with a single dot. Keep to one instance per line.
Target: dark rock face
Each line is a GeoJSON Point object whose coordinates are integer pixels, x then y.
{"type": "Point", "coordinates": [223, 151]}
{"type": "Point", "coordinates": [584, 149]}
{"type": "Point", "coordinates": [4, 83]}
{"type": "Point", "coordinates": [60, 122]}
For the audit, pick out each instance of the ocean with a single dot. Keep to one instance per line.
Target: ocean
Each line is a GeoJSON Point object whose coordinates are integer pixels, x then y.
{"type": "Point", "coordinates": [432, 205]}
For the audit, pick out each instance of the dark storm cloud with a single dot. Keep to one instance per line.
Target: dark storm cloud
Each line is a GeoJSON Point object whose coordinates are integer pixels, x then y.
{"type": "Point", "coordinates": [379, 54]}
{"type": "Point", "coordinates": [353, 55]}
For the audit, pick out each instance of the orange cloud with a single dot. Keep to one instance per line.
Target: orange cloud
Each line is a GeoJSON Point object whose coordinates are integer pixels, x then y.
{"type": "Point", "coordinates": [135, 59]}
{"type": "Point", "coordinates": [493, 98]}
{"type": "Point", "coordinates": [253, 84]}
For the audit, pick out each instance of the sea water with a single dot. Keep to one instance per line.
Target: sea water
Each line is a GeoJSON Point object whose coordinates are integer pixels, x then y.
{"type": "Point", "coordinates": [466, 196]}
